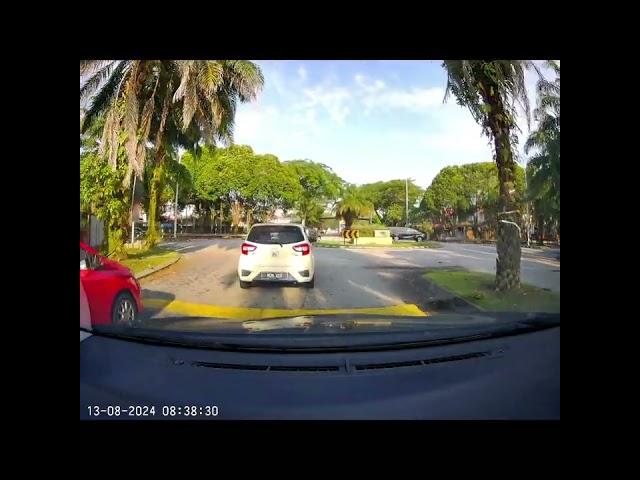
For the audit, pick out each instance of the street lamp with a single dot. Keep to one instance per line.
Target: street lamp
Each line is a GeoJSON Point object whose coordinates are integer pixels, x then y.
{"type": "Point", "coordinates": [406, 202]}
{"type": "Point", "coordinates": [175, 206]}
{"type": "Point", "coordinates": [527, 222]}
{"type": "Point", "coordinates": [133, 220]}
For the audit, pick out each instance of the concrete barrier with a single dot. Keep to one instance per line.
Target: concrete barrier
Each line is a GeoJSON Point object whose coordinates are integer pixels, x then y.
{"type": "Point", "coordinates": [374, 241]}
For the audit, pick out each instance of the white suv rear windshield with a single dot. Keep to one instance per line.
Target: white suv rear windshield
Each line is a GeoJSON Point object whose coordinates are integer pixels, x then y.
{"type": "Point", "coordinates": [275, 234]}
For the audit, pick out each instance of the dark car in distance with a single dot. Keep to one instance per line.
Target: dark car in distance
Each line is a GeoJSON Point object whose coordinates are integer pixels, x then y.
{"type": "Point", "coordinates": [406, 233]}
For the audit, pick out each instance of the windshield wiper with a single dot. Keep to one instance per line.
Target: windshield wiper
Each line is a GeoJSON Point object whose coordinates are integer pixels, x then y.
{"type": "Point", "coordinates": [327, 342]}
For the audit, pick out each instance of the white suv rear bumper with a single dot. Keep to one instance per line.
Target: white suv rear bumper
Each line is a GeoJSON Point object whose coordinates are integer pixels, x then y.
{"type": "Point", "coordinates": [293, 271]}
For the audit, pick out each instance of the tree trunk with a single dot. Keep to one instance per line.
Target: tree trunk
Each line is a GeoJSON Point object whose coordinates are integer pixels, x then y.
{"type": "Point", "coordinates": [153, 235]}
{"type": "Point", "coordinates": [221, 217]}
{"type": "Point", "coordinates": [206, 217]}
{"type": "Point", "coordinates": [540, 230]}
{"type": "Point", "coordinates": [236, 215]}
{"type": "Point", "coordinates": [348, 220]}
{"type": "Point", "coordinates": [250, 217]}
{"type": "Point", "coordinates": [508, 234]}
{"type": "Point", "coordinates": [156, 188]}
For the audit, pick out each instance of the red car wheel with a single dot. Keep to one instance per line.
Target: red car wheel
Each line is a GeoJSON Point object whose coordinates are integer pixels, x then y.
{"type": "Point", "coordinates": [125, 311]}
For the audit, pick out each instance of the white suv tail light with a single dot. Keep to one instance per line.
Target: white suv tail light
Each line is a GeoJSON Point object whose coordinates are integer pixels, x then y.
{"type": "Point", "coordinates": [246, 248]}
{"type": "Point", "coordinates": [305, 248]}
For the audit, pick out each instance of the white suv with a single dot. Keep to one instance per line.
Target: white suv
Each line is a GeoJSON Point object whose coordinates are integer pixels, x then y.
{"type": "Point", "coordinates": [276, 253]}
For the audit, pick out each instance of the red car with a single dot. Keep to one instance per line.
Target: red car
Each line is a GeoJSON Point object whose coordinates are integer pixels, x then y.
{"type": "Point", "coordinates": [110, 289]}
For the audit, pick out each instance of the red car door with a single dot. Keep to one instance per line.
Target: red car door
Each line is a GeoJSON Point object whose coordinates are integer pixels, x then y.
{"type": "Point", "coordinates": [101, 290]}
{"type": "Point", "coordinates": [100, 286]}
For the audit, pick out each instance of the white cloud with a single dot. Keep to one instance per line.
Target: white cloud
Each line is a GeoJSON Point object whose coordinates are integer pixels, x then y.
{"type": "Point", "coordinates": [366, 86]}
{"type": "Point", "coordinates": [306, 110]}
{"type": "Point", "coordinates": [416, 99]}
{"type": "Point", "coordinates": [253, 122]}
{"type": "Point", "coordinates": [375, 94]}
{"type": "Point", "coordinates": [332, 99]}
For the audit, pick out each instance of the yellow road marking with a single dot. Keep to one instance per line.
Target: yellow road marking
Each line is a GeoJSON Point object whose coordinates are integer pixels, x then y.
{"type": "Point", "coordinates": [250, 313]}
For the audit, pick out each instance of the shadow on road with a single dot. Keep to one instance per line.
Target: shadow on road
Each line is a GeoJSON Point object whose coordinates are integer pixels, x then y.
{"type": "Point", "coordinates": [415, 288]}
{"type": "Point", "coordinates": [154, 302]}
{"type": "Point", "coordinates": [189, 245]}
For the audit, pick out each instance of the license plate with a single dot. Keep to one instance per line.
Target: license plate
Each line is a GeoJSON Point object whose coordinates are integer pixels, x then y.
{"type": "Point", "coordinates": [273, 276]}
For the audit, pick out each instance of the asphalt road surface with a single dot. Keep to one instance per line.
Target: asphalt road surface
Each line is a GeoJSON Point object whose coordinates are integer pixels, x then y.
{"type": "Point", "coordinates": [204, 281]}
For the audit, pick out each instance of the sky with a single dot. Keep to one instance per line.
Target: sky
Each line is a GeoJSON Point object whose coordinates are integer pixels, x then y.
{"type": "Point", "coordinates": [368, 120]}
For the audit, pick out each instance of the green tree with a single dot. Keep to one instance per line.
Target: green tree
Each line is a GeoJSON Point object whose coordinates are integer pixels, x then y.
{"type": "Point", "coordinates": [270, 186]}
{"type": "Point", "coordinates": [171, 173]}
{"type": "Point", "coordinates": [249, 186]}
{"type": "Point", "coordinates": [103, 194]}
{"type": "Point", "coordinates": [353, 204]}
{"type": "Point", "coordinates": [446, 191]}
{"type": "Point", "coordinates": [467, 189]}
{"type": "Point", "coordinates": [165, 103]}
{"type": "Point", "coordinates": [388, 199]}
{"type": "Point", "coordinates": [319, 186]}
{"type": "Point", "coordinates": [490, 90]}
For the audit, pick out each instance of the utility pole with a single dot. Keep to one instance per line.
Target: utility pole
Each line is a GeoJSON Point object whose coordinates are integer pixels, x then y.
{"type": "Point", "coordinates": [406, 201]}
{"type": "Point", "coordinates": [133, 220]}
{"type": "Point", "coordinates": [175, 209]}
{"type": "Point", "coordinates": [527, 223]}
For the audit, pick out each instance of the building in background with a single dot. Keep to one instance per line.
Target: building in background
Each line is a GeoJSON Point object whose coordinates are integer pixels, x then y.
{"type": "Point", "coordinates": [91, 230]}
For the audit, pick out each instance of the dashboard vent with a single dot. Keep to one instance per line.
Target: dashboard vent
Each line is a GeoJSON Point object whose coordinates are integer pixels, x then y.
{"type": "Point", "coordinates": [415, 363]}
{"type": "Point", "coordinates": [270, 368]}
{"type": "Point", "coordinates": [336, 368]}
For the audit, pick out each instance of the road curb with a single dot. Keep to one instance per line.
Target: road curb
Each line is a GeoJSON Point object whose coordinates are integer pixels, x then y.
{"type": "Point", "coordinates": [378, 247]}
{"type": "Point", "coordinates": [151, 271]}
{"type": "Point", "coordinates": [431, 305]}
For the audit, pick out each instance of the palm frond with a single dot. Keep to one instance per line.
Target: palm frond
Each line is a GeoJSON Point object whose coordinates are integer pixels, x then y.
{"type": "Point", "coordinates": [97, 79]}
{"type": "Point", "coordinates": [519, 89]}
{"type": "Point", "coordinates": [110, 144]}
{"type": "Point", "coordinates": [89, 67]}
{"type": "Point", "coordinates": [106, 95]}
{"type": "Point", "coordinates": [145, 127]}
{"type": "Point", "coordinates": [184, 70]}
{"type": "Point", "coordinates": [131, 115]}
{"type": "Point", "coordinates": [187, 91]}
{"type": "Point", "coordinates": [227, 110]}
{"type": "Point", "coordinates": [211, 77]}
{"type": "Point", "coordinates": [245, 78]}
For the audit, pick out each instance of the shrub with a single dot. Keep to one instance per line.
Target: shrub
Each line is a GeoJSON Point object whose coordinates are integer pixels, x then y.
{"type": "Point", "coordinates": [426, 227]}
{"type": "Point", "coordinates": [366, 229]}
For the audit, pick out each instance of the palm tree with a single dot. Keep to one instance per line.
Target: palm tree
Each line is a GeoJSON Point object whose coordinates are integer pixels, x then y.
{"type": "Point", "coordinates": [544, 166]}
{"type": "Point", "coordinates": [490, 90]}
{"type": "Point", "coordinates": [165, 103]}
{"type": "Point", "coordinates": [353, 205]}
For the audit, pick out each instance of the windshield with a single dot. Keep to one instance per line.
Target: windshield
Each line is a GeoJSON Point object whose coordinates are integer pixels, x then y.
{"type": "Point", "coordinates": [278, 234]}
{"type": "Point", "coordinates": [350, 200]}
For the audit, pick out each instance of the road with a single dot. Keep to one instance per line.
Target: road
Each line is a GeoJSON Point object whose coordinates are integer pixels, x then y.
{"type": "Point", "coordinates": [204, 282]}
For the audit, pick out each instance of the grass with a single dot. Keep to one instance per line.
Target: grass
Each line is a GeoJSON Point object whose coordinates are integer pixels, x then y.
{"type": "Point", "coordinates": [141, 260]}
{"type": "Point", "coordinates": [426, 244]}
{"type": "Point", "coordinates": [478, 289]}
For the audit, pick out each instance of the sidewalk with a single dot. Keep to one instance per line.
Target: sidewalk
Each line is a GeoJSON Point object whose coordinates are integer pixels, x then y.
{"type": "Point", "coordinates": [553, 253]}
{"type": "Point", "coordinates": [146, 273]}
{"type": "Point", "coordinates": [208, 235]}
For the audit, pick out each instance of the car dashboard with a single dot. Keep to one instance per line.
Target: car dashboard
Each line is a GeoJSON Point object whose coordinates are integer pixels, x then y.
{"type": "Point", "coordinates": [512, 378]}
